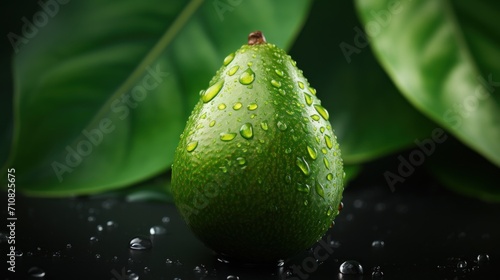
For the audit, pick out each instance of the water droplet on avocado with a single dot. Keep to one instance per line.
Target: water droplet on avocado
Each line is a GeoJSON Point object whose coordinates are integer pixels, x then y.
{"type": "Point", "coordinates": [228, 59]}
{"type": "Point", "coordinates": [315, 117]}
{"type": "Point", "coordinates": [279, 72]}
{"type": "Point", "coordinates": [275, 84]}
{"type": "Point", "coordinates": [324, 150]}
{"type": "Point", "coordinates": [322, 111]}
{"type": "Point", "coordinates": [328, 141]}
{"type": "Point", "coordinates": [320, 190]}
{"type": "Point", "coordinates": [306, 202]}
{"type": "Point", "coordinates": [192, 146]}
{"type": "Point", "coordinates": [312, 152]}
{"type": "Point", "coordinates": [303, 165]}
{"type": "Point", "coordinates": [247, 77]}
{"type": "Point", "coordinates": [304, 188]}
{"type": "Point", "coordinates": [301, 85]}
{"type": "Point", "coordinates": [241, 160]}
{"type": "Point", "coordinates": [329, 211]}
{"type": "Point", "coordinates": [312, 90]}
{"type": "Point", "coordinates": [140, 243]}
{"type": "Point", "coordinates": [308, 99]}
{"type": "Point", "coordinates": [322, 129]}
{"type": "Point", "coordinates": [288, 150]}
{"type": "Point", "coordinates": [221, 106]}
{"type": "Point", "coordinates": [246, 131]}
{"type": "Point", "coordinates": [233, 70]}
{"type": "Point", "coordinates": [212, 123]}
{"type": "Point", "coordinates": [264, 126]}
{"type": "Point", "coordinates": [252, 106]}
{"type": "Point", "coordinates": [326, 162]}
{"type": "Point", "coordinates": [212, 91]}
{"type": "Point", "coordinates": [329, 176]}
{"type": "Point", "coordinates": [225, 136]}
{"type": "Point", "coordinates": [237, 106]}
{"type": "Point", "coordinates": [282, 126]}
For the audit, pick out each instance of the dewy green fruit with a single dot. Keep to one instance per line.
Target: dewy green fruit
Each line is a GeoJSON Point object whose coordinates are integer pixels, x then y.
{"type": "Point", "coordinates": [257, 174]}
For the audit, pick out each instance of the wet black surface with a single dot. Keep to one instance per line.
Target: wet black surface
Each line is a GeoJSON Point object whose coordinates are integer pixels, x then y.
{"type": "Point", "coordinates": [416, 232]}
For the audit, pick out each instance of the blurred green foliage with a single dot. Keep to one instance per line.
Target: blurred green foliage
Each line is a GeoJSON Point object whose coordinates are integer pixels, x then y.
{"type": "Point", "coordinates": [99, 92]}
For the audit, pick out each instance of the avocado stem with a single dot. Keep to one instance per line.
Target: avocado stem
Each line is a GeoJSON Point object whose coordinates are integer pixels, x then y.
{"type": "Point", "coordinates": [256, 38]}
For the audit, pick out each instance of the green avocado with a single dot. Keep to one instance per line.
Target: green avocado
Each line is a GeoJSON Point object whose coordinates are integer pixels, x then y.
{"type": "Point", "coordinates": [258, 174]}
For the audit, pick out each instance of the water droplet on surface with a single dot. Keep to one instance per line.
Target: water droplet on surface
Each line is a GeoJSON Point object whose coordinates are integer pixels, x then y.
{"type": "Point", "coordinates": [288, 150]}
{"type": "Point", "coordinates": [322, 111]}
{"type": "Point", "coordinates": [275, 83]}
{"type": "Point", "coordinates": [312, 152]}
{"type": "Point", "coordinates": [351, 267]}
{"type": "Point", "coordinates": [237, 106]}
{"type": "Point", "coordinates": [227, 136]}
{"type": "Point", "coordinates": [322, 129]}
{"type": "Point", "coordinates": [69, 246]}
{"type": "Point", "coordinates": [232, 277]}
{"type": "Point", "coordinates": [133, 276]}
{"type": "Point", "coordinates": [483, 259]}
{"type": "Point", "coordinates": [252, 106]}
{"type": "Point", "coordinates": [378, 244]}
{"type": "Point", "coordinates": [228, 59]}
{"type": "Point", "coordinates": [377, 273]}
{"type": "Point", "coordinates": [98, 256]}
{"type": "Point", "coordinates": [264, 126]}
{"type": "Point", "coordinates": [191, 146]}
{"type": "Point", "coordinates": [329, 176]}
{"type": "Point", "coordinates": [462, 264]}
{"type": "Point", "coordinates": [315, 117]}
{"type": "Point", "coordinates": [308, 99]}
{"type": "Point", "coordinates": [212, 123]}
{"type": "Point", "coordinates": [301, 85]}
{"type": "Point", "coordinates": [36, 272]}
{"type": "Point", "coordinates": [212, 91]}
{"type": "Point", "coordinates": [328, 141]}
{"type": "Point", "coordinates": [168, 261]}
{"type": "Point", "coordinates": [303, 165]}
{"type": "Point", "coordinates": [93, 239]}
{"type": "Point", "coordinates": [221, 106]}
{"type": "Point", "coordinates": [91, 219]}
{"type": "Point", "coordinates": [279, 72]}
{"type": "Point", "coordinates": [282, 126]}
{"type": "Point", "coordinates": [306, 202]}
{"type": "Point", "coordinates": [165, 220]}
{"type": "Point", "coordinates": [140, 243]}
{"type": "Point", "coordinates": [312, 90]}
{"type": "Point", "coordinates": [247, 77]}
{"type": "Point", "coordinates": [324, 151]}
{"type": "Point", "coordinates": [320, 190]}
{"type": "Point", "coordinates": [233, 70]}
{"type": "Point", "coordinates": [305, 188]}
{"type": "Point", "coordinates": [157, 230]}
{"type": "Point", "coordinates": [246, 131]}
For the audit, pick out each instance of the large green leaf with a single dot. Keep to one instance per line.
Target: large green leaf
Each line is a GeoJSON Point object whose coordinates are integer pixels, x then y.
{"type": "Point", "coordinates": [370, 117]}
{"type": "Point", "coordinates": [468, 174]}
{"type": "Point", "coordinates": [102, 90]}
{"type": "Point", "coordinates": [444, 56]}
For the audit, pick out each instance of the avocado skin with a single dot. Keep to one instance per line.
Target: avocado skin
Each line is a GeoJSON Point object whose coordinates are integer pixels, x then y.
{"type": "Point", "coordinates": [241, 197]}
